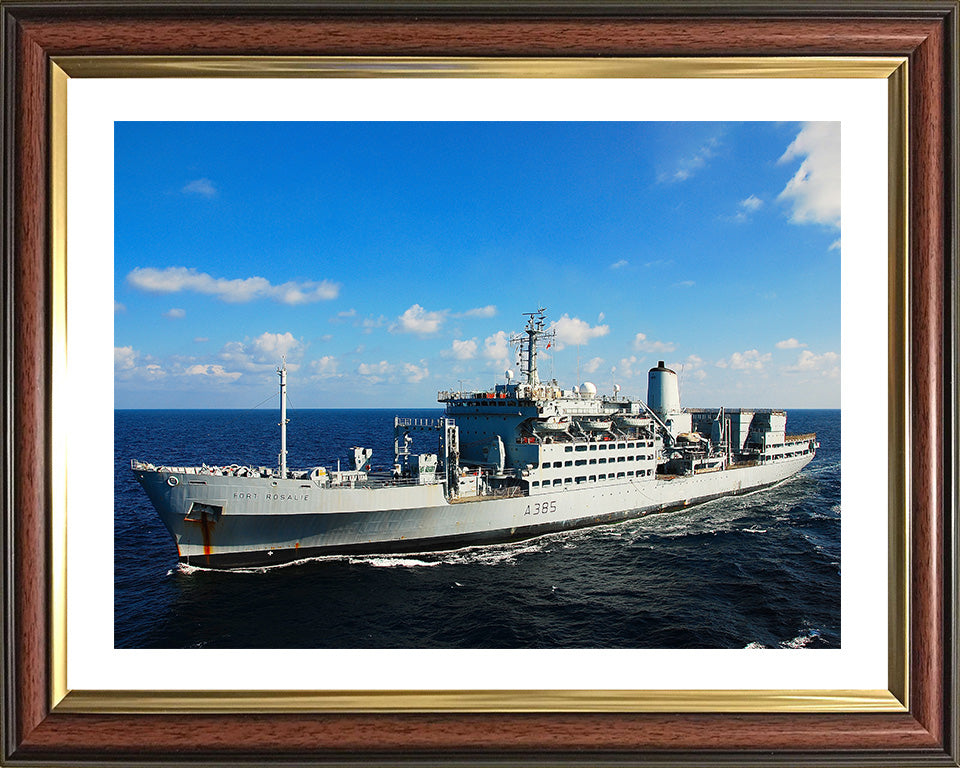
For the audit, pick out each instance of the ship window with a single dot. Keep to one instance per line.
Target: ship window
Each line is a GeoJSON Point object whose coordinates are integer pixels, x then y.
{"type": "Point", "coordinates": [558, 463]}
{"type": "Point", "coordinates": [581, 479]}
{"type": "Point", "coordinates": [603, 460]}
{"type": "Point", "coordinates": [619, 474]}
{"type": "Point", "coordinates": [593, 461]}
{"type": "Point", "coordinates": [593, 447]}
{"type": "Point", "coordinates": [501, 403]}
{"type": "Point", "coordinates": [581, 447]}
{"type": "Point", "coordinates": [568, 479]}
{"type": "Point", "coordinates": [581, 462]}
{"type": "Point", "coordinates": [603, 447]}
{"type": "Point", "coordinates": [621, 445]}
{"type": "Point", "coordinates": [601, 477]}
{"type": "Point", "coordinates": [558, 481]}
{"type": "Point", "coordinates": [622, 458]}
{"type": "Point", "coordinates": [629, 445]}
{"type": "Point", "coordinates": [630, 473]}
{"type": "Point", "coordinates": [568, 463]}
{"type": "Point", "coordinates": [535, 484]}
{"type": "Point", "coordinates": [511, 402]}
{"type": "Point", "coordinates": [593, 478]}
{"type": "Point", "coordinates": [568, 449]}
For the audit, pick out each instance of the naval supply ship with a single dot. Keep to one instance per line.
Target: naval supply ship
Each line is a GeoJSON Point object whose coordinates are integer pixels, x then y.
{"type": "Point", "coordinates": [513, 462]}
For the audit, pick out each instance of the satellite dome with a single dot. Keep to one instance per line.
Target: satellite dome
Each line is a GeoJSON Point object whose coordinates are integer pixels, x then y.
{"type": "Point", "coordinates": [588, 388]}
{"type": "Point", "coordinates": [508, 373]}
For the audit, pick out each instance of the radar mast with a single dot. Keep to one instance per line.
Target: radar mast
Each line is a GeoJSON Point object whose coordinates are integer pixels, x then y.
{"type": "Point", "coordinates": [527, 343]}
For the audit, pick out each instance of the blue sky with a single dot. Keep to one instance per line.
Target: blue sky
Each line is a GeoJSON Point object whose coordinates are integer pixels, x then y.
{"type": "Point", "coordinates": [391, 260]}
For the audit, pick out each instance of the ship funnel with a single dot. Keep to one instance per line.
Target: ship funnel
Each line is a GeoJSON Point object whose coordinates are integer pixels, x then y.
{"type": "Point", "coordinates": [663, 391]}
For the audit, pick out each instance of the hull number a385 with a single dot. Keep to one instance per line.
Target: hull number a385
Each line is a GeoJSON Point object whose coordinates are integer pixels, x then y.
{"type": "Point", "coordinates": [543, 508]}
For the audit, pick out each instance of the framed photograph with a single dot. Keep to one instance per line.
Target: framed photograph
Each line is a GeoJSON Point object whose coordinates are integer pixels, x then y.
{"type": "Point", "coordinates": [795, 102]}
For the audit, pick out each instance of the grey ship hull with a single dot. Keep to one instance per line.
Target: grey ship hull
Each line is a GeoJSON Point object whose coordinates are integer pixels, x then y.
{"type": "Point", "coordinates": [263, 521]}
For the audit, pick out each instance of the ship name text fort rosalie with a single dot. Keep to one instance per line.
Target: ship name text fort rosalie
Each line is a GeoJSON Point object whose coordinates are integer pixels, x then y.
{"type": "Point", "coordinates": [522, 459]}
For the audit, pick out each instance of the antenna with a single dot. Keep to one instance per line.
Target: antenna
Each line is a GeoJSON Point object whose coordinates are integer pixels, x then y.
{"type": "Point", "coordinates": [282, 371]}
{"type": "Point", "coordinates": [527, 343]}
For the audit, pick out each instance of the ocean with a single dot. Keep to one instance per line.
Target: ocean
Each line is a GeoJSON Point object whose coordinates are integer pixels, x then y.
{"type": "Point", "coordinates": [760, 571]}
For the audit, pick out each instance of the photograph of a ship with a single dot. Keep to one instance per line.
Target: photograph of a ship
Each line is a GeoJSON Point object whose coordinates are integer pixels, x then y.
{"type": "Point", "coordinates": [616, 322]}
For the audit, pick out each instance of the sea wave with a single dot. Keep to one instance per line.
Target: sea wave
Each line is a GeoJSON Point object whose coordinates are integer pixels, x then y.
{"type": "Point", "coordinates": [802, 640]}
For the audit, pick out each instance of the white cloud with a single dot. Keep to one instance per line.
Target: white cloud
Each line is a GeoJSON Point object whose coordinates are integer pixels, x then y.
{"type": "Point", "coordinates": [619, 264]}
{"type": "Point", "coordinates": [573, 330]}
{"type": "Point", "coordinates": [153, 371]}
{"type": "Point", "coordinates": [415, 373]}
{"type": "Point", "coordinates": [419, 321]}
{"type": "Point", "coordinates": [625, 368]}
{"type": "Point", "coordinates": [175, 313]}
{"type": "Point", "coordinates": [124, 358]}
{"type": "Point", "coordinates": [264, 352]}
{"type": "Point", "coordinates": [592, 365]}
{"type": "Point", "coordinates": [269, 346]}
{"type": "Point", "coordinates": [684, 284]}
{"type": "Point", "coordinates": [240, 290]}
{"type": "Point", "coordinates": [202, 187]}
{"type": "Point", "coordinates": [827, 364]}
{"type": "Point", "coordinates": [691, 367]}
{"type": "Point", "coordinates": [488, 311]}
{"type": "Point", "coordinates": [130, 365]}
{"type": "Point", "coordinates": [326, 367]}
{"type": "Point", "coordinates": [369, 323]}
{"type": "Point", "coordinates": [835, 245]}
{"type": "Point", "coordinates": [746, 208]}
{"type": "Point", "coordinates": [374, 369]}
{"type": "Point", "coordinates": [200, 340]}
{"type": "Point", "coordinates": [118, 307]}
{"type": "Point", "coordinates": [497, 347]}
{"type": "Point", "coordinates": [751, 360]}
{"type": "Point", "coordinates": [375, 372]}
{"type": "Point", "coordinates": [216, 372]}
{"type": "Point", "coordinates": [790, 343]}
{"type": "Point", "coordinates": [642, 344]}
{"type": "Point", "coordinates": [463, 350]}
{"type": "Point", "coordinates": [814, 190]}
{"type": "Point", "coordinates": [688, 166]}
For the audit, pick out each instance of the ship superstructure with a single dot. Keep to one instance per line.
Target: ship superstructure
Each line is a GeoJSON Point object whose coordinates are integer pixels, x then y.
{"type": "Point", "coordinates": [521, 459]}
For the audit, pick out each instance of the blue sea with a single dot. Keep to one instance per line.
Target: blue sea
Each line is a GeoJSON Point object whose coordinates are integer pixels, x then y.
{"type": "Point", "coordinates": [761, 570]}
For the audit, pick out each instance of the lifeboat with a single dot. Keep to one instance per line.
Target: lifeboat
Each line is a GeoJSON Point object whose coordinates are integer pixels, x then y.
{"type": "Point", "coordinates": [552, 424]}
{"type": "Point", "coordinates": [632, 420]}
{"type": "Point", "coordinates": [596, 424]}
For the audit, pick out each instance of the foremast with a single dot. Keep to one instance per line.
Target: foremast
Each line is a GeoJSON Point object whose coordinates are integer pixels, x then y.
{"type": "Point", "coordinates": [282, 372]}
{"type": "Point", "coordinates": [527, 343]}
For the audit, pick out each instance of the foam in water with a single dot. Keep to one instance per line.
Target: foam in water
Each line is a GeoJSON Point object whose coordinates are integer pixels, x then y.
{"type": "Point", "coordinates": [386, 561]}
{"type": "Point", "coordinates": [802, 640]}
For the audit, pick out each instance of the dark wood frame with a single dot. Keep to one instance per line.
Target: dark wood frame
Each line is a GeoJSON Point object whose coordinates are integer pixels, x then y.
{"type": "Point", "coordinates": [925, 32]}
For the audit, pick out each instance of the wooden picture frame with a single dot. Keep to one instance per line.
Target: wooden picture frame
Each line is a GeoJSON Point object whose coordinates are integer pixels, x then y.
{"type": "Point", "coordinates": [38, 730]}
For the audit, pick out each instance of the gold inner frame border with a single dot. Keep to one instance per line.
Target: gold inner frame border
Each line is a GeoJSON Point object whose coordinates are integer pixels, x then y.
{"type": "Point", "coordinates": [895, 699]}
